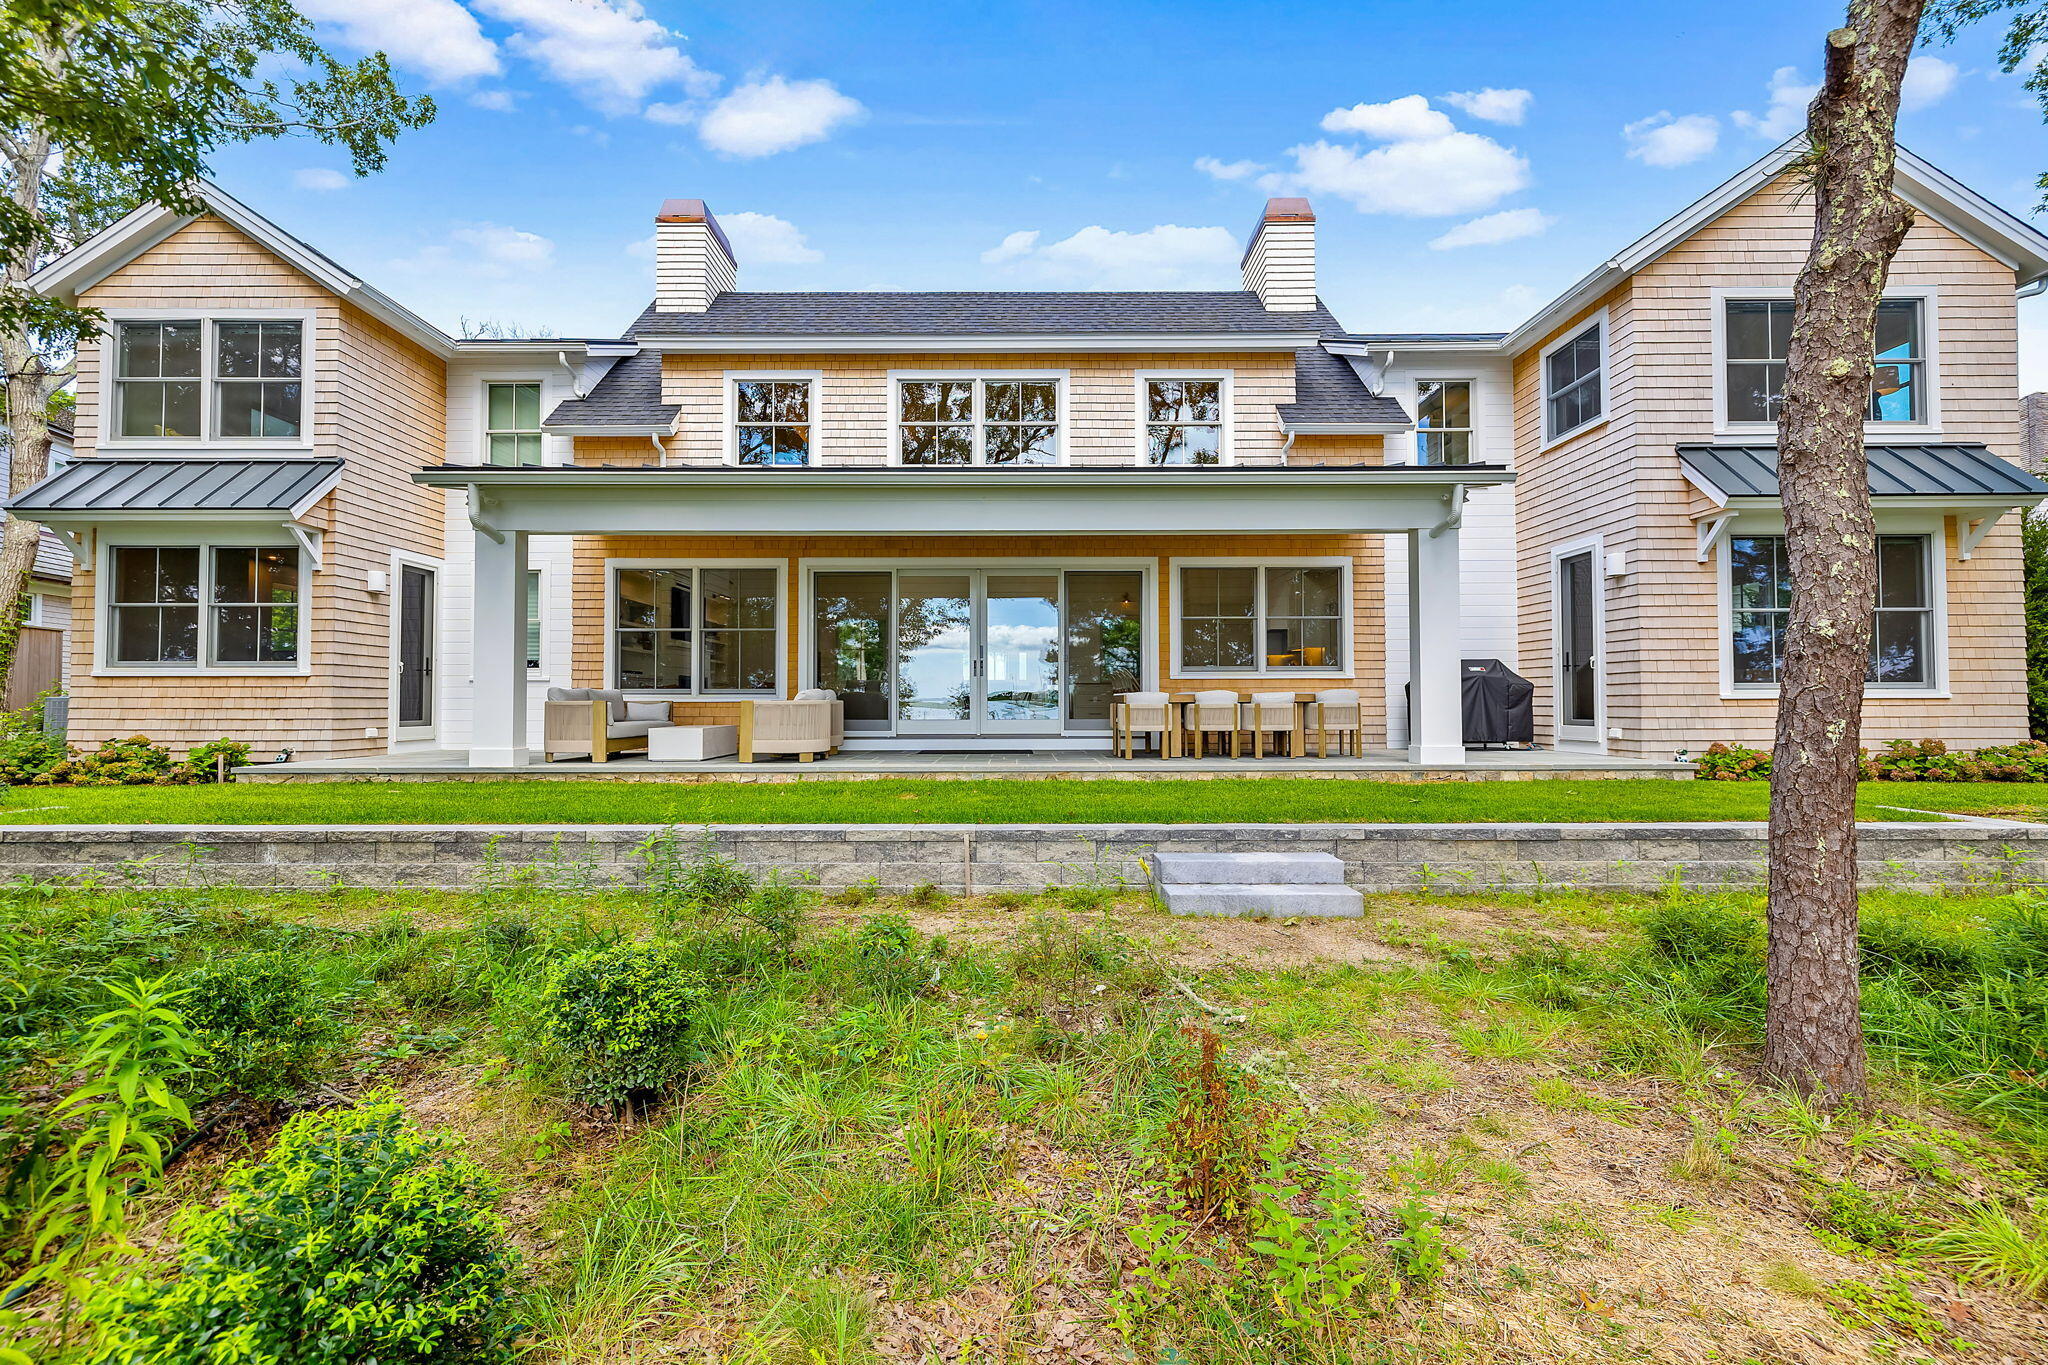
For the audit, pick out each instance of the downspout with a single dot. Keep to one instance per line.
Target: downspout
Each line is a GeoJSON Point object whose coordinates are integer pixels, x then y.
{"type": "Point", "coordinates": [575, 375]}
{"type": "Point", "coordinates": [2031, 288]}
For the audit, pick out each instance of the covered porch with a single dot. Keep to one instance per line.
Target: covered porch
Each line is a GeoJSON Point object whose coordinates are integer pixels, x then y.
{"type": "Point", "coordinates": [989, 612]}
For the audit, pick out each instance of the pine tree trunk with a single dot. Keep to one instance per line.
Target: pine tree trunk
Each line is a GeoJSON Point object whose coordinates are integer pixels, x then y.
{"type": "Point", "coordinates": [1813, 1029]}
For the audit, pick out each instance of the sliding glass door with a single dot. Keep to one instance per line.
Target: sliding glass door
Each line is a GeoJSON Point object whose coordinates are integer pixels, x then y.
{"type": "Point", "coordinates": [978, 652]}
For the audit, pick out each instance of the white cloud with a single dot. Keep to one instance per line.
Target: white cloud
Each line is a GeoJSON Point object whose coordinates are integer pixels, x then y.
{"type": "Point", "coordinates": [1425, 178]}
{"type": "Point", "coordinates": [1928, 81]}
{"type": "Point", "coordinates": [481, 251]}
{"type": "Point", "coordinates": [608, 51]}
{"type": "Point", "coordinates": [438, 38]}
{"type": "Point", "coordinates": [1159, 257]}
{"type": "Point", "coordinates": [319, 178]}
{"type": "Point", "coordinates": [500, 101]}
{"type": "Point", "coordinates": [677, 113]}
{"type": "Point", "coordinates": [1406, 119]}
{"type": "Point", "coordinates": [764, 239]}
{"type": "Point", "coordinates": [773, 115]}
{"type": "Point", "coordinates": [1227, 170]}
{"type": "Point", "coordinates": [1495, 106]}
{"type": "Point", "coordinates": [1494, 228]}
{"type": "Point", "coordinates": [1663, 139]}
{"type": "Point", "coordinates": [1786, 115]}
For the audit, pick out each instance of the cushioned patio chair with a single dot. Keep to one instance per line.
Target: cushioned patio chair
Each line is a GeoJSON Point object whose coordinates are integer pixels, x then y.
{"type": "Point", "coordinates": [1212, 713]}
{"type": "Point", "coordinates": [595, 722]}
{"type": "Point", "coordinates": [1270, 713]}
{"type": "Point", "coordinates": [1141, 713]}
{"type": "Point", "coordinates": [838, 712]}
{"type": "Point", "coordinates": [1336, 712]}
{"type": "Point", "coordinates": [803, 728]}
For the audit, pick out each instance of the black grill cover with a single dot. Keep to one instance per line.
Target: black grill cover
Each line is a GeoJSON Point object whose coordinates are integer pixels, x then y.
{"type": "Point", "coordinates": [1499, 704]}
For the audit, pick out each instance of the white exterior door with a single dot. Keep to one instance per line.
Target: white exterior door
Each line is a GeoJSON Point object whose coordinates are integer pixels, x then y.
{"type": "Point", "coordinates": [1579, 669]}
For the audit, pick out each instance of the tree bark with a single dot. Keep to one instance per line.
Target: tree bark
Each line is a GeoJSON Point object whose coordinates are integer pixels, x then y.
{"type": "Point", "coordinates": [1813, 1029]}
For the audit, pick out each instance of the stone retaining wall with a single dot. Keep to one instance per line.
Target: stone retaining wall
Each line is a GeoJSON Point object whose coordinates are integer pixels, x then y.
{"type": "Point", "coordinates": [993, 857]}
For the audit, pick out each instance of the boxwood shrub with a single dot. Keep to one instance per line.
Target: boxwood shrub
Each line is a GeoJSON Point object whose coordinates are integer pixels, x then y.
{"type": "Point", "coordinates": [358, 1238]}
{"type": "Point", "coordinates": [262, 1024]}
{"type": "Point", "coordinates": [617, 1019]}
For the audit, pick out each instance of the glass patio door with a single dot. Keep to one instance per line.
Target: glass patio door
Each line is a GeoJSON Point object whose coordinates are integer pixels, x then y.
{"type": "Point", "coordinates": [1020, 652]}
{"type": "Point", "coordinates": [937, 655]}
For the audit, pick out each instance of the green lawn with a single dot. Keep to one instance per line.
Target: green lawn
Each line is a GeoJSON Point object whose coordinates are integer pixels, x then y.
{"type": "Point", "coordinates": [977, 801]}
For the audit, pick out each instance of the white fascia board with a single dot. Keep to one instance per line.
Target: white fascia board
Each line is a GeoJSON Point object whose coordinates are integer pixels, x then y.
{"type": "Point", "coordinates": [812, 343]}
{"type": "Point", "coordinates": [1368, 348]}
{"type": "Point", "coordinates": [600, 430]}
{"type": "Point", "coordinates": [1894, 502]}
{"type": "Point", "coordinates": [317, 492]}
{"type": "Point", "coordinates": [1347, 428]}
{"type": "Point", "coordinates": [544, 347]}
{"type": "Point", "coordinates": [2000, 233]}
{"type": "Point", "coordinates": [106, 251]}
{"type": "Point", "coordinates": [1092, 478]}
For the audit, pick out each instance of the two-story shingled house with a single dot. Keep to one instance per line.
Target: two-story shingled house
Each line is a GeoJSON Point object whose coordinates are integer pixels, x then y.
{"type": "Point", "coordinates": [305, 517]}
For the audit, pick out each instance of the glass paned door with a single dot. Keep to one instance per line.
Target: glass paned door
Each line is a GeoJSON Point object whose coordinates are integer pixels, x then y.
{"type": "Point", "coordinates": [1105, 642]}
{"type": "Point", "coordinates": [851, 618]}
{"type": "Point", "coordinates": [936, 659]}
{"type": "Point", "coordinates": [1578, 662]}
{"type": "Point", "coordinates": [1020, 652]}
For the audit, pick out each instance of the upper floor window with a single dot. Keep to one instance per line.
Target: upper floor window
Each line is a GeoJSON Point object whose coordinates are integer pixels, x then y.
{"type": "Point", "coordinates": [1759, 337]}
{"type": "Point", "coordinates": [179, 605]}
{"type": "Point", "coordinates": [231, 380]}
{"type": "Point", "coordinates": [1573, 387]}
{"type": "Point", "coordinates": [772, 421]}
{"type": "Point", "coordinates": [1183, 421]}
{"type": "Point", "coordinates": [978, 421]}
{"type": "Point", "coordinates": [1443, 421]}
{"type": "Point", "coordinates": [1760, 602]}
{"type": "Point", "coordinates": [512, 432]}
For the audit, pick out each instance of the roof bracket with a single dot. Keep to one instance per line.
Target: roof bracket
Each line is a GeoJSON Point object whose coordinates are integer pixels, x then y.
{"type": "Point", "coordinates": [75, 541]}
{"type": "Point", "coordinates": [309, 540]}
{"type": "Point", "coordinates": [1970, 533]}
{"type": "Point", "coordinates": [1710, 531]}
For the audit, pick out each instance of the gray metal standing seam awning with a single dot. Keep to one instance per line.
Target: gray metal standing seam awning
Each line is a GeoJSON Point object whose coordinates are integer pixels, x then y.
{"type": "Point", "coordinates": [96, 489]}
{"type": "Point", "coordinates": [1968, 480]}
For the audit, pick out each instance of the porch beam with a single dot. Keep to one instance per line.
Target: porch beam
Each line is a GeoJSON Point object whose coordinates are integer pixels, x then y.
{"type": "Point", "coordinates": [1436, 709]}
{"type": "Point", "coordinates": [498, 651]}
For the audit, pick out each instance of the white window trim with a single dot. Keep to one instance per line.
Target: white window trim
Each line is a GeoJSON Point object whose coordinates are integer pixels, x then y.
{"type": "Point", "coordinates": [543, 578]}
{"type": "Point", "coordinates": [1226, 396]}
{"type": "Point", "coordinates": [110, 365]}
{"type": "Point", "coordinates": [1929, 298]}
{"type": "Point", "coordinates": [1932, 525]}
{"type": "Point", "coordinates": [1260, 669]}
{"type": "Point", "coordinates": [229, 538]}
{"type": "Point", "coordinates": [979, 420]}
{"type": "Point", "coordinates": [730, 440]}
{"type": "Point", "coordinates": [1597, 319]}
{"type": "Point", "coordinates": [1472, 388]}
{"type": "Point", "coordinates": [611, 628]}
{"type": "Point", "coordinates": [1579, 741]}
{"type": "Point", "coordinates": [551, 452]}
{"type": "Point", "coordinates": [395, 733]}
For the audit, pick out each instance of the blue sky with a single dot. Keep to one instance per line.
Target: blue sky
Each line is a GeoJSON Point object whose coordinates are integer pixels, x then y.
{"type": "Point", "coordinates": [1466, 162]}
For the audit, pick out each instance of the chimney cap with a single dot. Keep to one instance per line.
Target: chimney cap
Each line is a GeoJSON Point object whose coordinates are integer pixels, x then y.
{"type": "Point", "coordinates": [694, 211]}
{"type": "Point", "coordinates": [1288, 211]}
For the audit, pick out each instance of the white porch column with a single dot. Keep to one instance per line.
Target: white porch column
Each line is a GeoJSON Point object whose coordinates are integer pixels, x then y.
{"type": "Point", "coordinates": [1436, 713]}
{"type": "Point", "coordinates": [498, 652]}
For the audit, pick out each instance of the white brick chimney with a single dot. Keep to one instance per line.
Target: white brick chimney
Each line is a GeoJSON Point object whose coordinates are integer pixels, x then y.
{"type": "Point", "coordinates": [1280, 264]}
{"type": "Point", "coordinates": [693, 262]}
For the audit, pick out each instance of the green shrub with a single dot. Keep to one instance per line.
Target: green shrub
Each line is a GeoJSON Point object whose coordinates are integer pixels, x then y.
{"type": "Point", "coordinates": [262, 1026]}
{"type": "Point", "coordinates": [358, 1238]}
{"type": "Point", "coordinates": [889, 958]}
{"type": "Point", "coordinates": [204, 761]}
{"type": "Point", "coordinates": [2026, 761]}
{"type": "Point", "coordinates": [1919, 760]}
{"type": "Point", "coordinates": [1733, 763]}
{"type": "Point", "coordinates": [1860, 1216]}
{"type": "Point", "coordinates": [1701, 932]}
{"type": "Point", "coordinates": [26, 753]}
{"type": "Point", "coordinates": [617, 1019]}
{"type": "Point", "coordinates": [2034, 559]}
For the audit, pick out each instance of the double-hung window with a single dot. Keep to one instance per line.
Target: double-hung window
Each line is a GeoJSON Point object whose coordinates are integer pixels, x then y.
{"type": "Point", "coordinates": [1573, 387]}
{"type": "Point", "coordinates": [977, 421]}
{"type": "Point", "coordinates": [181, 606]}
{"type": "Point", "coordinates": [696, 629]}
{"type": "Point", "coordinates": [1443, 421]}
{"type": "Point", "coordinates": [512, 431]}
{"type": "Point", "coordinates": [1183, 420]}
{"type": "Point", "coordinates": [1760, 603]}
{"type": "Point", "coordinates": [772, 421]}
{"type": "Point", "coordinates": [1260, 618]}
{"type": "Point", "coordinates": [226, 380]}
{"type": "Point", "coordinates": [1759, 339]}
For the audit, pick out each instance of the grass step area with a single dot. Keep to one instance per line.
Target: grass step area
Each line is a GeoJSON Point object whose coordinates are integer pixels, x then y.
{"type": "Point", "coordinates": [1262, 800]}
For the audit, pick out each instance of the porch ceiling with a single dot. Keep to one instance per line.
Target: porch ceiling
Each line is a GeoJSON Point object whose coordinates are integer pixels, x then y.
{"type": "Point", "coordinates": [1111, 500]}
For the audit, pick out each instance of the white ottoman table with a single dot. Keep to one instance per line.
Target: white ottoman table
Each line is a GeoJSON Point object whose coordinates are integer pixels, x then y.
{"type": "Point", "coordinates": [692, 743]}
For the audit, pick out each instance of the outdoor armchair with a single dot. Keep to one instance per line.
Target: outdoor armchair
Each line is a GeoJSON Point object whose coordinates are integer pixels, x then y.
{"type": "Point", "coordinates": [1336, 711]}
{"type": "Point", "coordinates": [803, 728]}
{"type": "Point", "coordinates": [838, 712]}
{"type": "Point", "coordinates": [595, 722]}
{"type": "Point", "coordinates": [1141, 713]}
{"type": "Point", "coordinates": [1212, 713]}
{"type": "Point", "coordinates": [1270, 713]}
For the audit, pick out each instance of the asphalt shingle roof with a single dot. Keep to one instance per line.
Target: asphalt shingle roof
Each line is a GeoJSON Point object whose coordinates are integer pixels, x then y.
{"type": "Point", "coordinates": [1895, 471]}
{"type": "Point", "coordinates": [177, 485]}
{"type": "Point", "coordinates": [629, 395]}
{"type": "Point", "coordinates": [982, 313]}
{"type": "Point", "coordinates": [1327, 389]}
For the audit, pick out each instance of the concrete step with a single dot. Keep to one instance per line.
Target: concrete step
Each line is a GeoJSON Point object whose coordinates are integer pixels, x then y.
{"type": "Point", "coordinates": [1280, 902]}
{"type": "Point", "coordinates": [1247, 869]}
